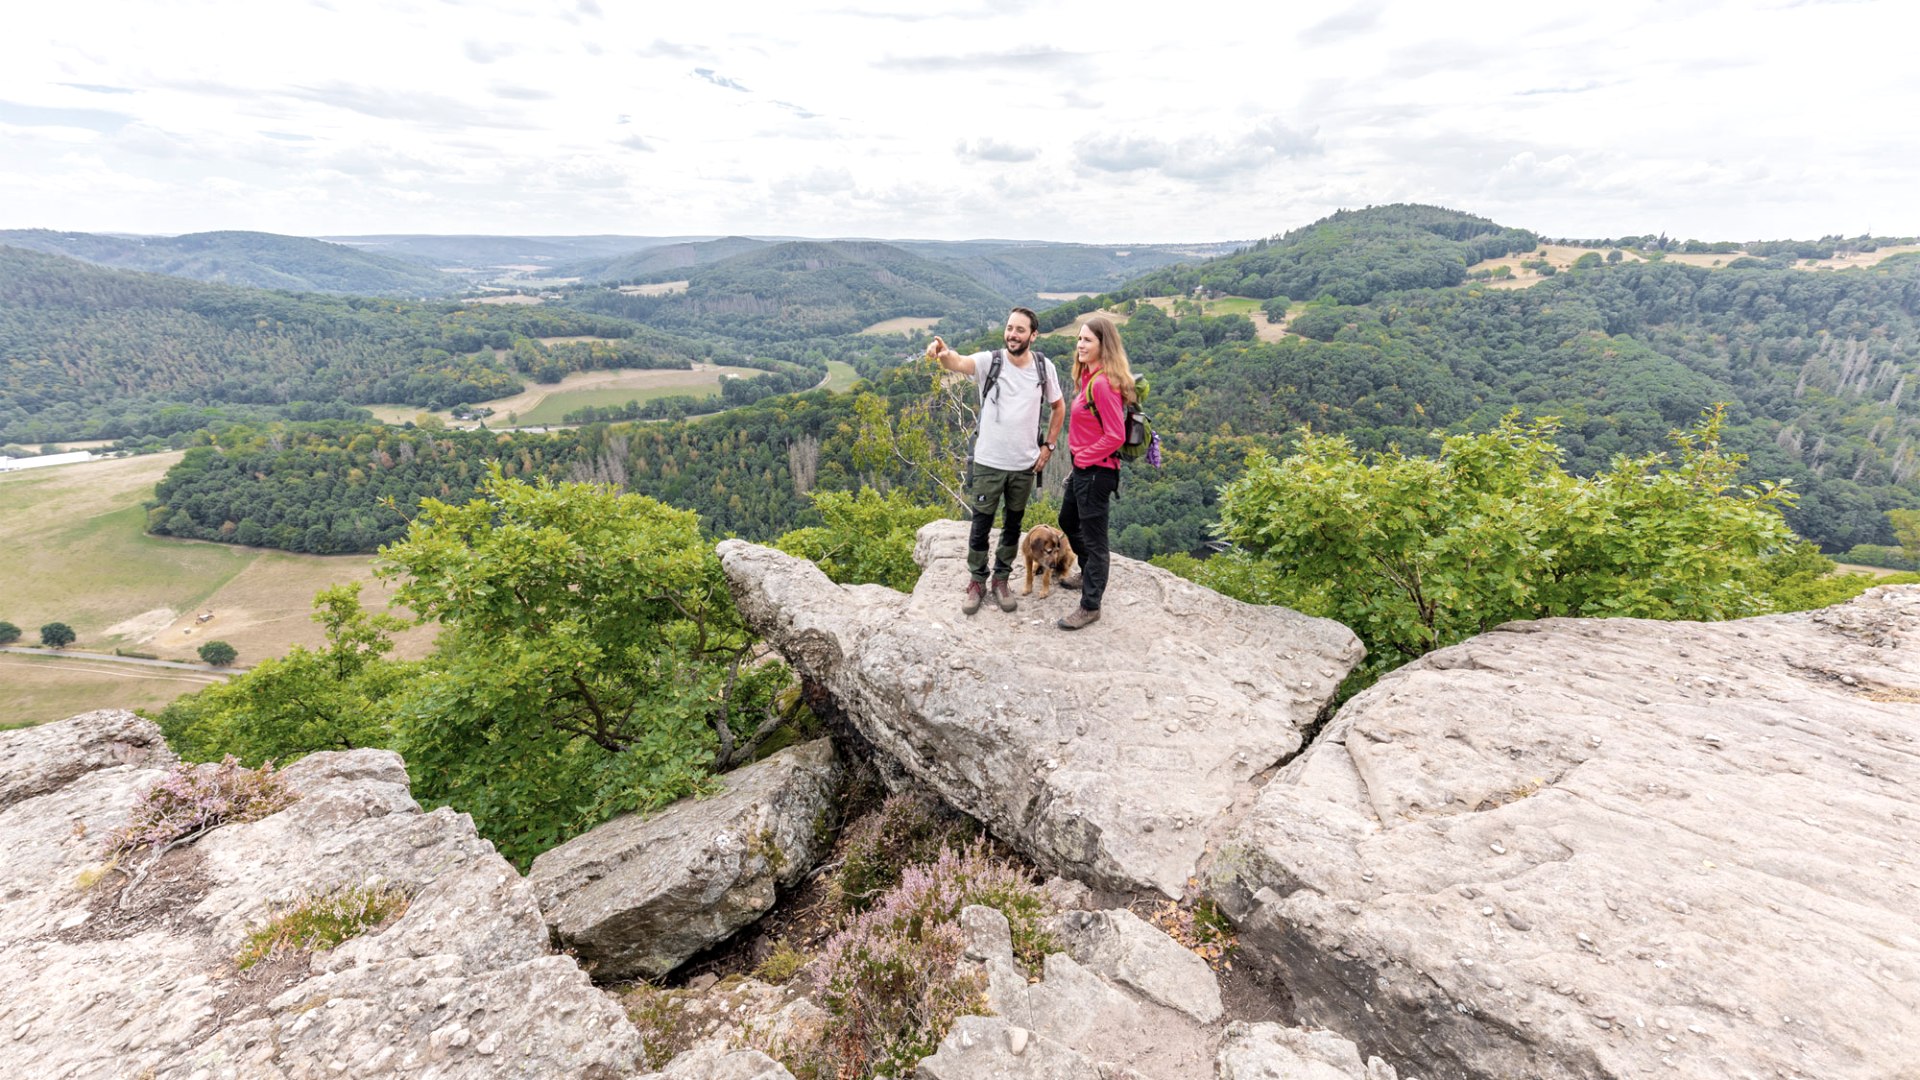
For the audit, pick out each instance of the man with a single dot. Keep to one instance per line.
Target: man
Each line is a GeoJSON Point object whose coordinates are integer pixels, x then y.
{"type": "Point", "coordinates": [1009, 453]}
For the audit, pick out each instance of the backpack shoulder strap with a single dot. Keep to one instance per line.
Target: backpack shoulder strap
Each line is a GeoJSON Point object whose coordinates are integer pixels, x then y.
{"type": "Point", "coordinates": [993, 374]}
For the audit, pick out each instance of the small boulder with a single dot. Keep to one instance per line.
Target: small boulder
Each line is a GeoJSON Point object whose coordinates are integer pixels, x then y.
{"type": "Point", "coordinates": [639, 895]}
{"type": "Point", "coordinates": [38, 760]}
{"type": "Point", "coordinates": [715, 1062]}
{"type": "Point", "coordinates": [1120, 946]}
{"type": "Point", "coordinates": [990, 1048]}
{"type": "Point", "coordinates": [1268, 1051]}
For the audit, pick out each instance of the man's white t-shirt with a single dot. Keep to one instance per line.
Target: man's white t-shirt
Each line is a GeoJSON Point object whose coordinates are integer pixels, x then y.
{"type": "Point", "coordinates": [1010, 415]}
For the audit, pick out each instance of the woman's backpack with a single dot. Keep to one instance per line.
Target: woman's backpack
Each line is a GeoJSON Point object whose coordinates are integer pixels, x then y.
{"type": "Point", "coordinates": [1141, 440]}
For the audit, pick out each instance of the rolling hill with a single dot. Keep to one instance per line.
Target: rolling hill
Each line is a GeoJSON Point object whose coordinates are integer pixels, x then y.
{"type": "Point", "coordinates": [253, 259]}
{"type": "Point", "coordinates": [87, 352]}
{"type": "Point", "coordinates": [803, 289]}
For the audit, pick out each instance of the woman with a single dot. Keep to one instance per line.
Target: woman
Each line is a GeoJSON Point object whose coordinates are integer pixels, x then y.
{"type": "Point", "coordinates": [1103, 384]}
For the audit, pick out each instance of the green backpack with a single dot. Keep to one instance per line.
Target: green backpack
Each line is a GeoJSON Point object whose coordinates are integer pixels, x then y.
{"type": "Point", "coordinates": [1141, 442]}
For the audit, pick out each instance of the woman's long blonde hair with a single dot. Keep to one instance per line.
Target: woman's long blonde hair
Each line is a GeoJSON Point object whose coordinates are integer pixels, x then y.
{"type": "Point", "coordinates": [1113, 357]}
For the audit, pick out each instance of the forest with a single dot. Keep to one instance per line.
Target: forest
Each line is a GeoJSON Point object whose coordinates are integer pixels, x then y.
{"type": "Point", "coordinates": [91, 353]}
{"type": "Point", "coordinates": [1392, 344]}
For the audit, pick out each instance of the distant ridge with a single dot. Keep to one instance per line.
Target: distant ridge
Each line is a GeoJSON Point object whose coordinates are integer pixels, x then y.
{"type": "Point", "coordinates": [655, 263]}
{"type": "Point", "coordinates": [805, 288]}
{"type": "Point", "coordinates": [254, 259]}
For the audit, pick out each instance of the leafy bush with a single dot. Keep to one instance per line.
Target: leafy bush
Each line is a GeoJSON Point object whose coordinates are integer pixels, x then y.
{"type": "Point", "coordinates": [783, 963]}
{"type": "Point", "coordinates": [192, 799]}
{"type": "Point", "coordinates": [218, 653]}
{"type": "Point", "coordinates": [865, 538]}
{"type": "Point", "coordinates": [1418, 553]}
{"type": "Point", "coordinates": [907, 829]}
{"type": "Point", "coordinates": [319, 923]}
{"type": "Point", "coordinates": [56, 635]}
{"type": "Point", "coordinates": [9, 633]}
{"type": "Point", "coordinates": [891, 982]}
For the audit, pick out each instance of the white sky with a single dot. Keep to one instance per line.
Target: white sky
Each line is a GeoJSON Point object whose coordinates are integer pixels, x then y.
{"type": "Point", "coordinates": [1103, 122]}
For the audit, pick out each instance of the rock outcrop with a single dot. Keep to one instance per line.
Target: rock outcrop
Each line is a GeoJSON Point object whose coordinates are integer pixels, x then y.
{"type": "Point", "coordinates": [639, 895]}
{"type": "Point", "coordinates": [1075, 1024]}
{"type": "Point", "coordinates": [1610, 848]}
{"type": "Point", "coordinates": [463, 984]}
{"type": "Point", "coordinates": [1105, 755]}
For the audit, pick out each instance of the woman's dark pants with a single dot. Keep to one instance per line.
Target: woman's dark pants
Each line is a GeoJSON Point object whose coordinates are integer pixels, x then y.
{"type": "Point", "coordinates": [1083, 517]}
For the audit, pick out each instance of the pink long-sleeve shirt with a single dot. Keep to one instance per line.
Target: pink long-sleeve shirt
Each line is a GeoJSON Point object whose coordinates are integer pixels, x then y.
{"type": "Point", "coordinates": [1095, 441]}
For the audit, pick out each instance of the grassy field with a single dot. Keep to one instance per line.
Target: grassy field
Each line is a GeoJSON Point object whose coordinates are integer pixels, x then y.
{"type": "Point", "coordinates": [39, 689]}
{"type": "Point", "coordinates": [540, 405]}
{"type": "Point", "coordinates": [906, 324]}
{"type": "Point", "coordinates": [77, 553]}
{"type": "Point", "coordinates": [840, 376]}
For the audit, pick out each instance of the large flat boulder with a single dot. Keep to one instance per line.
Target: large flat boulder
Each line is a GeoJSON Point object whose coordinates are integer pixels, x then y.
{"type": "Point", "coordinates": [640, 895]}
{"type": "Point", "coordinates": [462, 984]}
{"type": "Point", "coordinates": [1610, 848]}
{"type": "Point", "coordinates": [1108, 754]}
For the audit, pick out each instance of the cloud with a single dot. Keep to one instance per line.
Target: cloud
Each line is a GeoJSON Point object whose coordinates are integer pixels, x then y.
{"type": "Point", "coordinates": [1044, 60]}
{"type": "Point", "coordinates": [518, 93]}
{"type": "Point", "coordinates": [990, 149]}
{"type": "Point", "coordinates": [1199, 157]}
{"type": "Point", "coordinates": [817, 182]}
{"type": "Point", "coordinates": [669, 49]}
{"type": "Point", "coordinates": [635, 142]}
{"type": "Point", "coordinates": [286, 136]}
{"type": "Point", "coordinates": [96, 88]}
{"type": "Point", "coordinates": [587, 7]}
{"type": "Point", "coordinates": [1357, 19]}
{"type": "Point", "coordinates": [720, 80]}
{"type": "Point", "coordinates": [802, 113]}
{"type": "Point", "coordinates": [433, 110]}
{"type": "Point", "coordinates": [99, 120]}
{"type": "Point", "coordinates": [481, 52]}
{"type": "Point", "coordinates": [1527, 172]}
{"type": "Point", "coordinates": [1590, 84]}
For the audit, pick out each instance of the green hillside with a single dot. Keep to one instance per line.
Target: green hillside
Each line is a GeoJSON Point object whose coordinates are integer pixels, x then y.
{"type": "Point", "coordinates": [1024, 270]}
{"type": "Point", "coordinates": [1351, 257]}
{"type": "Point", "coordinates": [666, 262]}
{"type": "Point", "coordinates": [254, 259]}
{"type": "Point", "coordinates": [88, 352]}
{"type": "Point", "coordinates": [804, 289]}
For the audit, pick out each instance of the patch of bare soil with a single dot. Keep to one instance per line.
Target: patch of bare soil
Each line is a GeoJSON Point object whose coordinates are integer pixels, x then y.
{"type": "Point", "coordinates": [164, 900]}
{"type": "Point", "coordinates": [245, 990]}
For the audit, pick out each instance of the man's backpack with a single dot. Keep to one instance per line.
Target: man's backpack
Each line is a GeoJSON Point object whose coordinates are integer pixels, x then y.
{"type": "Point", "coordinates": [1142, 442]}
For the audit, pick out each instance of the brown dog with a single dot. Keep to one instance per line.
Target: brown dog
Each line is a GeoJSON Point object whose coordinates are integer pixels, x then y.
{"type": "Point", "coordinates": [1045, 549]}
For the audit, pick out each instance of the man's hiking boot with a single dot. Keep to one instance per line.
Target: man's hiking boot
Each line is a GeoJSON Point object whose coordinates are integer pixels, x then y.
{"type": "Point", "coordinates": [1003, 595]}
{"type": "Point", "coordinates": [1071, 582]}
{"type": "Point", "coordinates": [1079, 619]}
{"type": "Point", "coordinates": [975, 593]}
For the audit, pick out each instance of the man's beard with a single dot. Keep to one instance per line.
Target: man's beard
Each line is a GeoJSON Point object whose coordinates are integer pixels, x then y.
{"type": "Point", "coordinates": [1015, 348]}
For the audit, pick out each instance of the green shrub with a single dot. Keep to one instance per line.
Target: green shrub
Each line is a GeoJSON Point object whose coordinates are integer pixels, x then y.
{"type": "Point", "coordinates": [319, 923]}
{"type": "Point", "coordinates": [783, 963]}
{"type": "Point", "coordinates": [906, 830]}
{"type": "Point", "coordinates": [218, 653]}
{"type": "Point", "coordinates": [9, 633]}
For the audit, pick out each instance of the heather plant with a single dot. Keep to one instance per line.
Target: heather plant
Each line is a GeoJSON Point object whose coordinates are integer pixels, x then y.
{"type": "Point", "coordinates": [907, 829]}
{"type": "Point", "coordinates": [891, 982]}
{"type": "Point", "coordinates": [193, 799]}
{"type": "Point", "coordinates": [322, 922]}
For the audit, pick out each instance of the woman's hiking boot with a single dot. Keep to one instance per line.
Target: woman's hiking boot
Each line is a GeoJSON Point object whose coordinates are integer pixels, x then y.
{"type": "Point", "coordinates": [975, 593]}
{"type": "Point", "coordinates": [1078, 619]}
